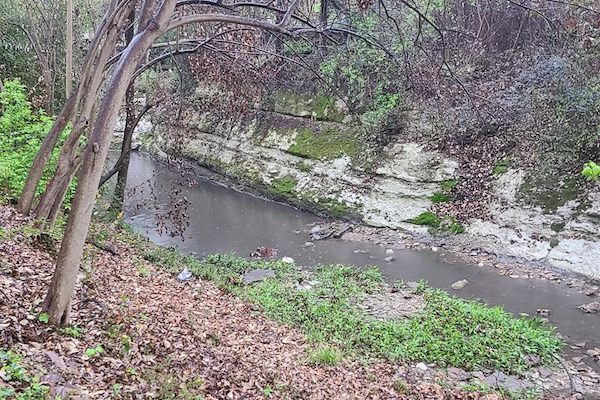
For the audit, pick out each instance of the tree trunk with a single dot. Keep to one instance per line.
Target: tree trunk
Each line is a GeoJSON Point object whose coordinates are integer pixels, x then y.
{"type": "Point", "coordinates": [92, 67]}
{"type": "Point", "coordinates": [58, 300]}
{"type": "Point", "coordinates": [119, 194]}
{"type": "Point", "coordinates": [41, 158]}
{"type": "Point", "coordinates": [56, 189]}
{"type": "Point", "coordinates": [69, 49]}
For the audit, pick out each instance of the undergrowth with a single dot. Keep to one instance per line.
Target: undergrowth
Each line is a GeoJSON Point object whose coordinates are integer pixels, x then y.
{"type": "Point", "coordinates": [18, 378]}
{"type": "Point", "coordinates": [438, 224]}
{"type": "Point", "coordinates": [22, 131]}
{"type": "Point", "coordinates": [449, 332]}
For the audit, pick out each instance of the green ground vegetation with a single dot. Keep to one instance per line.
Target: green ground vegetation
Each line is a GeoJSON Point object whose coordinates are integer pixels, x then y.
{"type": "Point", "coordinates": [449, 332]}
{"type": "Point", "coordinates": [16, 374]}
{"type": "Point", "coordinates": [438, 224]}
{"type": "Point", "coordinates": [22, 131]}
{"type": "Point", "coordinates": [502, 166]}
{"type": "Point", "coordinates": [444, 195]}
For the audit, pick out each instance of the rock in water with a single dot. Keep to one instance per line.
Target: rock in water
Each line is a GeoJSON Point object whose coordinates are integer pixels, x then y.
{"type": "Point", "coordinates": [258, 275]}
{"type": "Point", "coordinates": [590, 308]}
{"type": "Point", "coordinates": [389, 259]}
{"type": "Point", "coordinates": [459, 284]}
{"type": "Point", "coordinates": [287, 260]}
{"type": "Point", "coordinates": [592, 290]}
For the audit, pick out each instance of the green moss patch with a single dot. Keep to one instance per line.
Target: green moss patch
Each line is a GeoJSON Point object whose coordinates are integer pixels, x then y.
{"type": "Point", "coordinates": [549, 192]}
{"type": "Point", "coordinates": [502, 166]}
{"type": "Point", "coordinates": [438, 224]}
{"type": "Point", "coordinates": [285, 187]}
{"type": "Point", "coordinates": [324, 146]}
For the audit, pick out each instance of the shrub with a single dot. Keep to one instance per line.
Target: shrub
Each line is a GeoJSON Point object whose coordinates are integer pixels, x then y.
{"type": "Point", "coordinates": [22, 131]}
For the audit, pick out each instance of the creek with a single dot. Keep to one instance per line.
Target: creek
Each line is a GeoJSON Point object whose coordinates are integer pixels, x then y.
{"type": "Point", "coordinates": [223, 220]}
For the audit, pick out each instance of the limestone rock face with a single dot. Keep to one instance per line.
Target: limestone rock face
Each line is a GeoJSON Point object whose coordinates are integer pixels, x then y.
{"type": "Point", "coordinates": [294, 153]}
{"type": "Point", "coordinates": [310, 152]}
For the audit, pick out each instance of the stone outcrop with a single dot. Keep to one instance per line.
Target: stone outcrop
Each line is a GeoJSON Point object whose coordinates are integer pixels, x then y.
{"type": "Point", "coordinates": [312, 153]}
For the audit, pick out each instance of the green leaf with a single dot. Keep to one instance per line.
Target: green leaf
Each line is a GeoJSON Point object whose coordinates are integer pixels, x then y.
{"type": "Point", "coordinates": [43, 317]}
{"type": "Point", "coordinates": [90, 352]}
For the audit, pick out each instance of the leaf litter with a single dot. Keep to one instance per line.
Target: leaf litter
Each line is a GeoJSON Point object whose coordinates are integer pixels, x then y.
{"type": "Point", "coordinates": [162, 338]}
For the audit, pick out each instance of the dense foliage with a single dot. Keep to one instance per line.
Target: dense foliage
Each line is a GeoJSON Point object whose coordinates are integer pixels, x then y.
{"type": "Point", "coordinates": [22, 130]}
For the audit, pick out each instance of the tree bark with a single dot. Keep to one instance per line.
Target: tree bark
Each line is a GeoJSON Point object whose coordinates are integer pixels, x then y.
{"type": "Point", "coordinates": [69, 49]}
{"type": "Point", "coordinates": [56, 189]}
{"type": "Point", "coordinates": [91, 67]}
{"type": "Point", "coordinates": [41, 159]}
{"type": "Point", "coordinates": [119, 194]}
{"type": "Point", "coordinates": [58, 300]}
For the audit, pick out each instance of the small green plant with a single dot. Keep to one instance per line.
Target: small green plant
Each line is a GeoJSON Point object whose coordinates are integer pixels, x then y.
{"type": "Point", "coordinates": [73, 332]}
{"type": "Point", "coordinates": [116, 390]}
{"type": "Point", "coordinates": [502, 166]}
{"type": "Point", "coordinates": [94, 351]}
{"type": "Point", "coordinates": [325, 356]}
{"type": "Point", "coordinates": [557, 226]}
{"type": "Point", "coordinates": [44, 317]}
{"type": "Point", "coordinates": [400, 386]}
{"type": "Point", "coordinates": [267, 390]}
{"type": "Point", "coordinates": [440, 197]}
{"type": "Point", "coordinates": [448, 185]}
{"type": "Point", "coordinates": [591, 170]}
{"type": "Point", "coordinates": [304, 167]}
{"type": "Point", "coordinates": [554, 243]}
{"type": "Point", "coordinates": [22, 385]}
{"type": "Point", "coordinates": [126, 341]}
{"type": "Point", "coordinates": [438, 224]}
{"type": "Point", "coordinates": [143, 272]}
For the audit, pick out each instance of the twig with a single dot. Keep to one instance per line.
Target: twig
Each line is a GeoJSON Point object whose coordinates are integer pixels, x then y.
{"type": "Point", "coordinates": [108, 249]}
{"type": "Point", "coordinates": [5, 296]}
{"type": "Point", "coordinates": [568, 373]}
{"type": "Point", "coordinates": [103, 306]}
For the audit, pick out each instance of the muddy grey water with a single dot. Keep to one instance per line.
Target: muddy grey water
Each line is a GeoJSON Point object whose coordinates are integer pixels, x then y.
{"type": "Point", "coordinates": [224, 220]}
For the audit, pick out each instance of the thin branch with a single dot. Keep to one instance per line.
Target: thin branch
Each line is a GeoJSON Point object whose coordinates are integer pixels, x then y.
{"type": "Point", "coordinates": [288, 14]}
{"type": "Point", "coordinates": [117, 165]}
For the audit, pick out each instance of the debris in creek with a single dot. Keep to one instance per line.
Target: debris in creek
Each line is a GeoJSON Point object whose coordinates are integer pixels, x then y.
{"type": "Point", "coordinates": [264, 252]}
{"type": "Point", "coordinates": [592, 290]}
{"type": "Point", "coordinates": [590, 308]}
{"type": "Point", "coordinates": [335, 230]}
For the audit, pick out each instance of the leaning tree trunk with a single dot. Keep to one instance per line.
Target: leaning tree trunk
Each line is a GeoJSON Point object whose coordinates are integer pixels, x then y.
{"type": "Point", "coordinates": [90, 69]}
{"type": "Point", "coordinates": [119, 194]}
{"type": "Point", "coordinates": [67, 164]}
{"type": "Point", "coordinates": [58, 300]}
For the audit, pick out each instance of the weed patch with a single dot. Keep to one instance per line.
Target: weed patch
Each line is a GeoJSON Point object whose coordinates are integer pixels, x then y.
{"type": "Point", "coordinates": [438, 224]}
{"type": "Point", "coordinates": [23, 386]}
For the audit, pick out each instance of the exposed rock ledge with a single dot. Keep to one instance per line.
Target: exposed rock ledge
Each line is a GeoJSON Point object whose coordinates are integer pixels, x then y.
{"type": "Point", "coordinates": [389, 193]}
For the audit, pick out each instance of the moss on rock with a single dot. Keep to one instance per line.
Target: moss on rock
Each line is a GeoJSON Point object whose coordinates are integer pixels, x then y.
{"type": "Point", "coordinates": [324, 146]}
